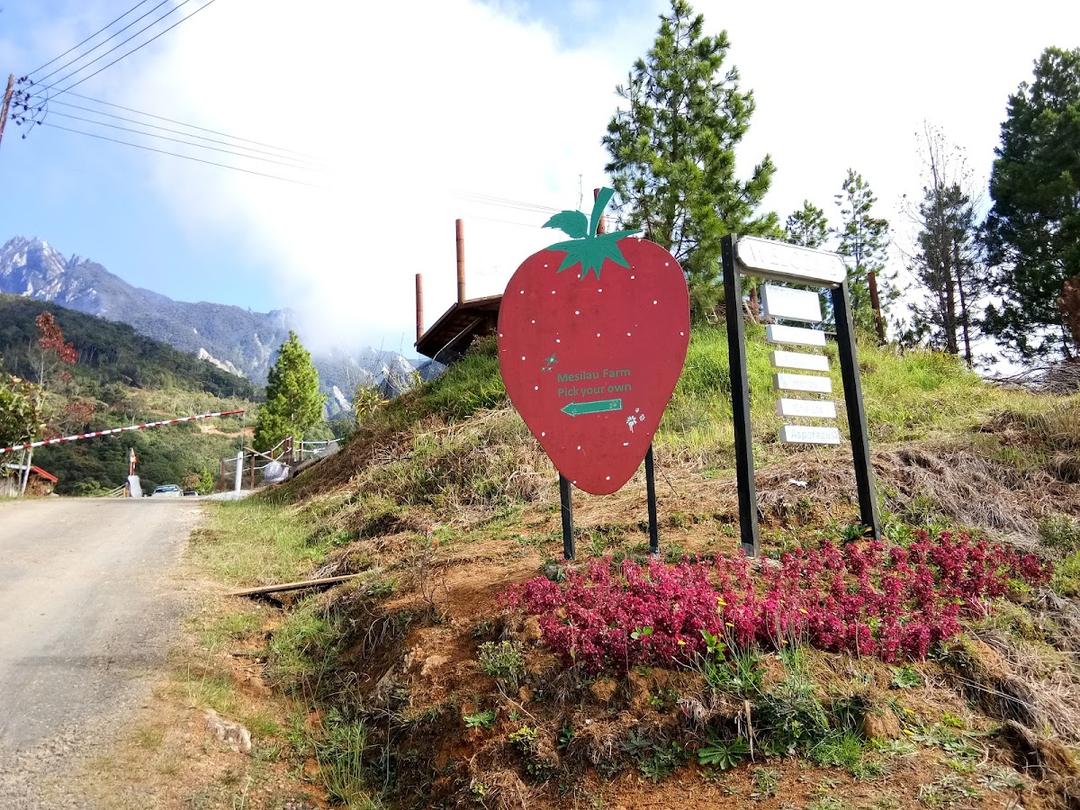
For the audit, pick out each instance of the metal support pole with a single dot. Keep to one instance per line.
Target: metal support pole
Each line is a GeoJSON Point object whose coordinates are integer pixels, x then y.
{"type": "Point", "coordinates": [238, 482]}
{"type": "Point", "coordinates": [650, 491]}
{"type": "Point", "coordinates": [567, 518]}
{"type": "Point", "coordinates": [856, 415]}
{"type": "Point", "coordinates": [459, 233]}
{"type": "Point", "coordinates": [740, 400]}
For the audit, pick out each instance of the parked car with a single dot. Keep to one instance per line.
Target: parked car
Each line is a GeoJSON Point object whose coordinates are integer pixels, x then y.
{"type": "Point", "coordinates": [190, 492]}
{"type": "Point", "coordinates": [167, 491]}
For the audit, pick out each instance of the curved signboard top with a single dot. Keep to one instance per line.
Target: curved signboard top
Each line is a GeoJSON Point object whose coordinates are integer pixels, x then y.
{"type": "Point", "coordinates": [779, 260]}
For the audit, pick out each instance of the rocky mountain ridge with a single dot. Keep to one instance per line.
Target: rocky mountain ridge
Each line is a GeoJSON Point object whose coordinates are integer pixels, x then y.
{"type": "Point", "coordinates": [232, 338]}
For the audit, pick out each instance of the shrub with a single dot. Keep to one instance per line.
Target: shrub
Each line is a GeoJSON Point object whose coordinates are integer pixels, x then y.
{"type": "Point", "coordinates": [865, 597]}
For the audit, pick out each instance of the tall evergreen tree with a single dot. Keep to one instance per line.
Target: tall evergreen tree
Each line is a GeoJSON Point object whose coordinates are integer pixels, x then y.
{"type": "Point", "coordinates": [946, 264]}
{"type": "Point", "coordinates": [294, 404]}
{"type": "Point", "coordinates": [1032, 233]}
{"type": "Point", "coordinates": [864, 240]}
{"type": "Point", "coordinates": [672, 150]}
{"type": "Point", "coordinates": [808, 227]}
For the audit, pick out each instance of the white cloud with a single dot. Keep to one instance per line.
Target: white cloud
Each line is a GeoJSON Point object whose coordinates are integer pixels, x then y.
{"type": "Point", "coordinates": [408, 108]}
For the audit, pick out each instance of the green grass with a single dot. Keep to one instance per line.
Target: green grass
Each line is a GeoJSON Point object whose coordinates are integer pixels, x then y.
{"type": "Point", "coordinates": [1066, 579]}
{"type": "Point", "coordinates": [254, 542]}
{"type": "Point", "coordinates": [303, 646]}
{"type": "Point", "coordinates": [909, 395]}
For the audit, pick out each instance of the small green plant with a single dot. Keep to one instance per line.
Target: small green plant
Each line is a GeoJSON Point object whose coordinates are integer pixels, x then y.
{"type": "Point", "coordinates": [655, 758]}
{"type": "Point", "coordinates": [503, 661]}
{"type": "Point", "coordinates": [906, 677]}
{"type": "Point", "coordinates": [999, 778]}
{"type": "Point", "coordinates": [842, 749]}
{"type": "Point", "coordinates": [738, 673]}
{"type": "Point", "coordinates": [524, 739]}
{"type": "Point", "coordinates": [484, 719]}
{"type": "Point", "coordinates": [766, 782]}
{"type": "Point", "coordinates": [1060, 532]}
{"type": "Point", "coordinates": [566, 736]}
{"type": "Point", "coordinates": [947, 791]}
{"type": "Point", "coordinates": [790, 717]}
{"type": "Point", "coordinates": [723, 754]}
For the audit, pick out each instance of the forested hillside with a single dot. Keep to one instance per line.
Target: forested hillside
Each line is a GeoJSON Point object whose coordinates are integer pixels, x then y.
{"type": "Point", "coordinates": [119, 377]}
{"type": "Point", "coordinates": [110, 353]}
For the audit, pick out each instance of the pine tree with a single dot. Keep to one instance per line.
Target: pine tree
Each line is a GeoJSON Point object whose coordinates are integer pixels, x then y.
{"type": "Point", "coordinates": [808, 227]}
{"type": "Point", "coordinates": [294, 404]}
{"type": "Point", "coordinates": [945, 266]}
{"type": "Point", "coordinates": [864, 240]}
{"type": "Point", "coordinates": [672, 151]}
{"type": "Point", "coordinates": [1032, 234]}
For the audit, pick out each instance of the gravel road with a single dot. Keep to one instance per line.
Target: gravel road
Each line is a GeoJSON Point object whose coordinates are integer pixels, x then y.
{"type": "Point", "coordinates": [89, 603]}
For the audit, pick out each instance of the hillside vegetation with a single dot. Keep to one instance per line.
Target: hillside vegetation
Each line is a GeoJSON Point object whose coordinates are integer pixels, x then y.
{"type": "Point", "coordinates": [467, 665]}
{"type": "Point", "coordinates": [121, 378]}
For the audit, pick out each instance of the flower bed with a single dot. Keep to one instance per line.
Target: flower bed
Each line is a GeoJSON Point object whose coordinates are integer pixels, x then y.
{"type": "Point", "coordinates": [866, 597]}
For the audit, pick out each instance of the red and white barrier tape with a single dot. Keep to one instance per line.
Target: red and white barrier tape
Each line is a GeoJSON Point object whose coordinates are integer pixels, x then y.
{"type": "Point", "coordinates": [95, 433]}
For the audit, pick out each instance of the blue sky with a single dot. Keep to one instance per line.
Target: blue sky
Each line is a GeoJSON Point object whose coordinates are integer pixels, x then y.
{"type": "Point", "coordinates": [472, 99]}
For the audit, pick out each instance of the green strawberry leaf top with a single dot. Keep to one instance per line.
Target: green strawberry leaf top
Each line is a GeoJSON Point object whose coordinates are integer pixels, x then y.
{"type": "Point", "coordinates": [586, 247]}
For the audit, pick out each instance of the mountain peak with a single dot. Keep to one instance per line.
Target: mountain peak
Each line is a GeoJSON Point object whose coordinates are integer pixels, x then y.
{"type": "Point", "coordinates": [233, 338]}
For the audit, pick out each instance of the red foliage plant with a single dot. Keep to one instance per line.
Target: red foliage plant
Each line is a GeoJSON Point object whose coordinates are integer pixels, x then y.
{"type": "Point", "coordinates": [867, 597]}
{"type": "Point", "coordinates": [51, 339]}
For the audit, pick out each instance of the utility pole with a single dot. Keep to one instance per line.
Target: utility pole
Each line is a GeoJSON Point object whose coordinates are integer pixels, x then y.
{"type": "Point", "coordinates": [7, 103]}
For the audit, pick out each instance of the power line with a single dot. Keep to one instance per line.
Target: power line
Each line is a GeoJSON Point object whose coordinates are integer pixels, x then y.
{"type": "Point", "coordinates": [80, 44]}
{"type": "Point", "coordinates": [310, 163]}
{"type": "Point", "coordinates": [125, 55]}
{"type": "Point", "coordinates": [179, 155]}
{"type": "Point", "coordinates": [111, 36]}
{"type": "Point", "coordinates": [503, 202]}
{"type": "Point", "coordinates": [181, 141]}
{"type": "Point", "coordinates": [190, 126]}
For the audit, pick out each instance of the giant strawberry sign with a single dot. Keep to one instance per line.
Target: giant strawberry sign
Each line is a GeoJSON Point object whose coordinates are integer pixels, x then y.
{"type": "Point", "coordinates": [592, 338]}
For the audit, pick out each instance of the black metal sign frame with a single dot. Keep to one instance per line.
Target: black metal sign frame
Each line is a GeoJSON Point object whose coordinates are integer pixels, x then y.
{"type": "Point", "coordinates": [740, 402]}
{"type": "Point", "coordinates": [567, 508]}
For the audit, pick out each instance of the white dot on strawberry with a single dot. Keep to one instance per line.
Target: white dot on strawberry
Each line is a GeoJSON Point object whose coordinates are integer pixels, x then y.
{"type": "Point", "coordinates": [577, 311]}
{"type": "Point", "coordinates": [655, 302]}
{"type": "Point", "coordinates": [522, 357]}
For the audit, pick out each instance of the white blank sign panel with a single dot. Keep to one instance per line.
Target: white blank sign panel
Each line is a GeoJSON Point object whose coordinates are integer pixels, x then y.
{"type": "Point", "coordinates": [818, 408]}
{"type": "Point", "coordinates": [800, 360]}
{"type": "Point", "coordinates": [772, 259]}
{"type": "Point", "coordinates": [795, 305]}
{"type": "Point", "coordinates": [775, 333]}
{"type": "Point", "coordinates": [804, 434]}
{"type": "Point", "coordinates": [803, 382]}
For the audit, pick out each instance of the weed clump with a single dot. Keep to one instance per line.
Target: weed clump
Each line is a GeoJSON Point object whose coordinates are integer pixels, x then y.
{"type": "Point", "coordinates": [504, 661]}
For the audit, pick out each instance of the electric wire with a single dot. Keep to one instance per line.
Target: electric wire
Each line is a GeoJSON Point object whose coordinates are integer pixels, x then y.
{"type": "Point", "coordinates": [80, 44]}
{"type": "Point", "coordinates": [125, 55]}
{"type": "Point", "coordinates": [179, 155]}
{"type": "Point", "coordinates": [115, 34]}
{"type": "Point", "coordinates": [185, 124]}
{"type": "Point", "coordinates": [277, 153]}
{"type": "Point", "coordinates": [181, 141]}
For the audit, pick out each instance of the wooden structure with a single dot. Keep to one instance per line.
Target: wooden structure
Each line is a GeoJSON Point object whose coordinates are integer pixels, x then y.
{"type": "Point", "coordinates": [466, 319]}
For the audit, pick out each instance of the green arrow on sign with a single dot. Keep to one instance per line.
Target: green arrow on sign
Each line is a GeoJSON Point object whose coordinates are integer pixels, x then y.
{"type": "Point", "coordinates": [596, 406]}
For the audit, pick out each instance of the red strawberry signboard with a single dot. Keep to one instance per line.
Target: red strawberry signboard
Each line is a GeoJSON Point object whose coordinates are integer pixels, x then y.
{"type": "Point", "coordinates": [592, 338]}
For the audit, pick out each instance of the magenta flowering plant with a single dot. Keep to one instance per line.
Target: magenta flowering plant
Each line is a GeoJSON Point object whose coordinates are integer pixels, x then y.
{"type": "Point", "coordinates": [866, 597]}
